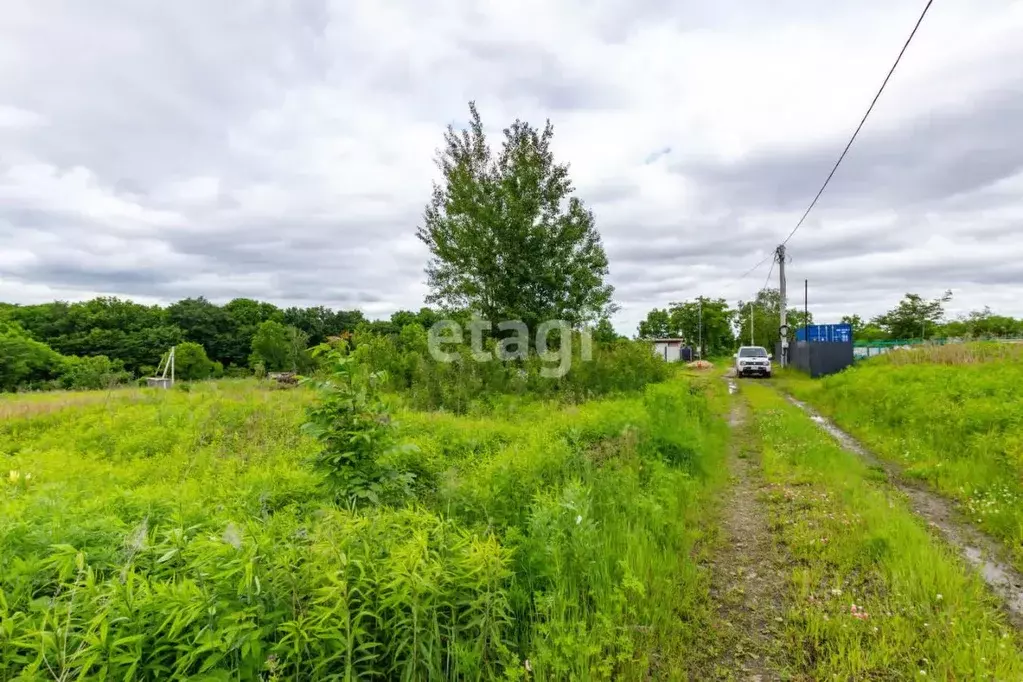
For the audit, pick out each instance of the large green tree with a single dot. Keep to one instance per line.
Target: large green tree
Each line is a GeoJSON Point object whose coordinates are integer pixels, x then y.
{"type": "Point", "coordinates": [766, 313]}
{"type": "Point", "coordinates": [24, 360]}
{"type": "Point", "coordinates": [705, 320]}
{"type": "Point", "coordinates": [278, 347]}
{"type": "Point", "coordinates": [209, 325]}
{"type": "Point", "coordinates": [914, 317]}
{"type": "Point", "coordinates": [658, 324]}
{"type": "Point", "coordinates": [133, 333]}
{"type": "Point", "coordinates": [507, 237]}
{"type": "Point", "coordinates": [982, 324]}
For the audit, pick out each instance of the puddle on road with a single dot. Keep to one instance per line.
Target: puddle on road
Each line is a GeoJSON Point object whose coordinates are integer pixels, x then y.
{"type": "Point", "coordinates": [976, 548]}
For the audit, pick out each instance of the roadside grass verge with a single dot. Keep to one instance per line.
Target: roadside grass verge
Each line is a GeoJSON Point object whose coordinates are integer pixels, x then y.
{"type": "Point", "coordinates": [957, 426]}
{"type": "Point", "coordinates": [183, 534]}
{"type": "Point", "coordinates": [876, 595]}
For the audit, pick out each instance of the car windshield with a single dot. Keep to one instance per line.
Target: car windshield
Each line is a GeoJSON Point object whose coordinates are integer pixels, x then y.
{"type": "Point", "coordinates": [752, 353]}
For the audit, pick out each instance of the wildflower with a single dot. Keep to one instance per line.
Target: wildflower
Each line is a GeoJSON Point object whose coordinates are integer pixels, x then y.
{"type": "Point", "coordinates": [232, 536]}
{"type": "Point", "coordinates": [939, 597]}
{"type": "Point", "coordinates": [137, 541]}
{"type": "Point", "coordinates": [836, 591]}
{"type": "Point", "coordinates": [529, 668]}
{"type": "Point", "coordinates": [578, 519]}
{"type": "Point", "coordinates": [14, 476]}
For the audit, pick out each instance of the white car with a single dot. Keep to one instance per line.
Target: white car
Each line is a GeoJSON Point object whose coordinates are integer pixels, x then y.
{"type": "Point", "coordinates": [752, 360]}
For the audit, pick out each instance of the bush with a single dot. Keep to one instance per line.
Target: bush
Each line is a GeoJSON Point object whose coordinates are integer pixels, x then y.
{"type": "Point", "coordinates": [618, 367]}
{"type": "Point", "coordinates": [355, 430]}
{"type": "Point", "coordinates": [191, 363]}
{"type": "Point", "coordinates": [24, 361]}
{"type": "Point", "coordinates": [91, 373]}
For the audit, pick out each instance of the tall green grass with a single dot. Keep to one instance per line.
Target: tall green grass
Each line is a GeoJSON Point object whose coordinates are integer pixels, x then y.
{"type": "Point", "coordinates": [185, 534]}
{"type": "Point", "coordinates": [874, 595]}
{"type": "Point", "coordinates": [952, 416]}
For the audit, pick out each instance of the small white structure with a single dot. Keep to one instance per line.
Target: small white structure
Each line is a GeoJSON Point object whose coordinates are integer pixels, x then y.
{"type": "Point", "coordinates": [162, 381]}
{"type": "Point", "coordinates": [669, 348]}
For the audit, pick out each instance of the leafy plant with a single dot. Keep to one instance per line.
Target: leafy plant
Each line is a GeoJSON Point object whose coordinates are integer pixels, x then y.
{"type": "Point", "coordinates": [191, 363]}
{"type": "Point", "coordinates": [355, 430]}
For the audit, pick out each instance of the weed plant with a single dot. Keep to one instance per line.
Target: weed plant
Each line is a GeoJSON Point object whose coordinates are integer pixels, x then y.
{"type": "Point", "coordinates": [178, 535]}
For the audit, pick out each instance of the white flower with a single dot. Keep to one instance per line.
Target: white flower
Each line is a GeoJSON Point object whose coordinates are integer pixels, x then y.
{"type": "Point", "coordinates": [939, 597]}
{"type": "Point", "coordinates": [232, 536]}
{"type": "Point", "coordinates": [837, 592]}
{"type": "Point", "coordinates": [578, 519]}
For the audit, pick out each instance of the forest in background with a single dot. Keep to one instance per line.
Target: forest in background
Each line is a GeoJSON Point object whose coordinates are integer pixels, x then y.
{"type": "Point", "coordinates": [106, 341]}
{"type": "Point", "coordinates": [725, 327]}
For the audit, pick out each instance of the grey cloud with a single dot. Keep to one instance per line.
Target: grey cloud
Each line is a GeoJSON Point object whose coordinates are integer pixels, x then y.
{"type": "Point", "coordinates": [934, 157]}
{"type": "Point", "coordinates": [537, 73]}
{"type": "Point", "coordinates": [145, 95]}
{"type": "Point", "coordinates": [140, 91]}
{"type": "Point", "coordinates": [143, 281]}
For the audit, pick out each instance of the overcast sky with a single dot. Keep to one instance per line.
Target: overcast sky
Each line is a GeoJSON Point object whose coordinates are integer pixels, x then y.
{"type": "Point", "coordinates": [283, 150]}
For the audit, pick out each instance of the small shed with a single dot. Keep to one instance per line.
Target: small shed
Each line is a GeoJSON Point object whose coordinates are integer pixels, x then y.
{"type": "Point", "coordinates": [672, 349]}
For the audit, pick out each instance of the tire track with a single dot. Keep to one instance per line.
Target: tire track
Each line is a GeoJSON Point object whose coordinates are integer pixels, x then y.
{"type": "Point", "coordinates": [978, 549]}
{"type": "Point", "coordinates": [748, 576]}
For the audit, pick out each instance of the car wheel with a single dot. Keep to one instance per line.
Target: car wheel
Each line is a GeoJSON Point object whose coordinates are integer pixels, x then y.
{"type": "Point", "coordinates": [767, 375]}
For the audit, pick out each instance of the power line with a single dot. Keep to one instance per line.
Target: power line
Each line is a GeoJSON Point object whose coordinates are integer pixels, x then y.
{"type": "Point", "coordinates": [862, 121]}
{"type": "Point", "coordinates": [768, 278]}
{"type": "Point", "coordinates": [755, 267]}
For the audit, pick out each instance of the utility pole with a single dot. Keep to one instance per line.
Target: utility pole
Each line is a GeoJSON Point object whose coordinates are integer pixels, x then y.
{"type": "Point", "coordinates": [751, 323]}
{"type": "Point", "coordinates": [780, 255]}
{"type": "Point", "coordinates": [806, 310]}
{"type": "Point", "coordinates": [700, 325]}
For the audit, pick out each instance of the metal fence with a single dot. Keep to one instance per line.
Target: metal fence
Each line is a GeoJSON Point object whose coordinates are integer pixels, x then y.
{"type": "Point", "coordinates": [868, 349]}
{"type": "Point", "coordinates": [819, 359]}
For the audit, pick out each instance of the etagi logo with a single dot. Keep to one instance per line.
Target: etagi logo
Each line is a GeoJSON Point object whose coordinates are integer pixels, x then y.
{"type": "Point", "coordinates": [447, 333]}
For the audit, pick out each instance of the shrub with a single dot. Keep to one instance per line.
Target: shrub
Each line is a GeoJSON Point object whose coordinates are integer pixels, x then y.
{"type": "Point", "coordinates": [191, 363]}
{"type": "Point", "coordinates": [94, 372]}
{"type": "Point", "coordinates": [355, 430]}
{"type": "Point", "coordinates": [459, 386]}
{"type": "Point", "coordinates": [24, 361]}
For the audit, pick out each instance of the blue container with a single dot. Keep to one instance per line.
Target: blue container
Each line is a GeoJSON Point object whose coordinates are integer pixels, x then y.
{"type": "Point", "coordinates": [825, 333]}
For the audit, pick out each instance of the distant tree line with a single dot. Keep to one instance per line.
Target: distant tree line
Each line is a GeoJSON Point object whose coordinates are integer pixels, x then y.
{"type": "Point", "coordinates": [718, 326]}
{"type": "Point", "coordinates": [106, 340]}
{"type": "Point", "coordinates": [725, 327]}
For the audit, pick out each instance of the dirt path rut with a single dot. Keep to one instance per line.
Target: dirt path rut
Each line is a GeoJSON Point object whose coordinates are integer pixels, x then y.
{"type": "Point", "coordinates": [748, 578]}
{"type": "Point", "coordinates": [976, 548]}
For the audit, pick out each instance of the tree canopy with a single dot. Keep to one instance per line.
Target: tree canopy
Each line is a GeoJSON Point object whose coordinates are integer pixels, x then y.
{"type": "Point", "coordinates": [912, 316]}
{"type": "Point", "coordinates": [507, 238]}
{"type": "Point", "coordinates": [710, 320]}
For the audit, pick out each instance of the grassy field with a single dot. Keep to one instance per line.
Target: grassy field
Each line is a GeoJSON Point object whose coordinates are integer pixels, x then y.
{"type": "Point", "coordinates": [148, 535]}
{"type": "Point", "coordinates": [874, 595]}
{"type": "Point", "coordinates": [951, 415]}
